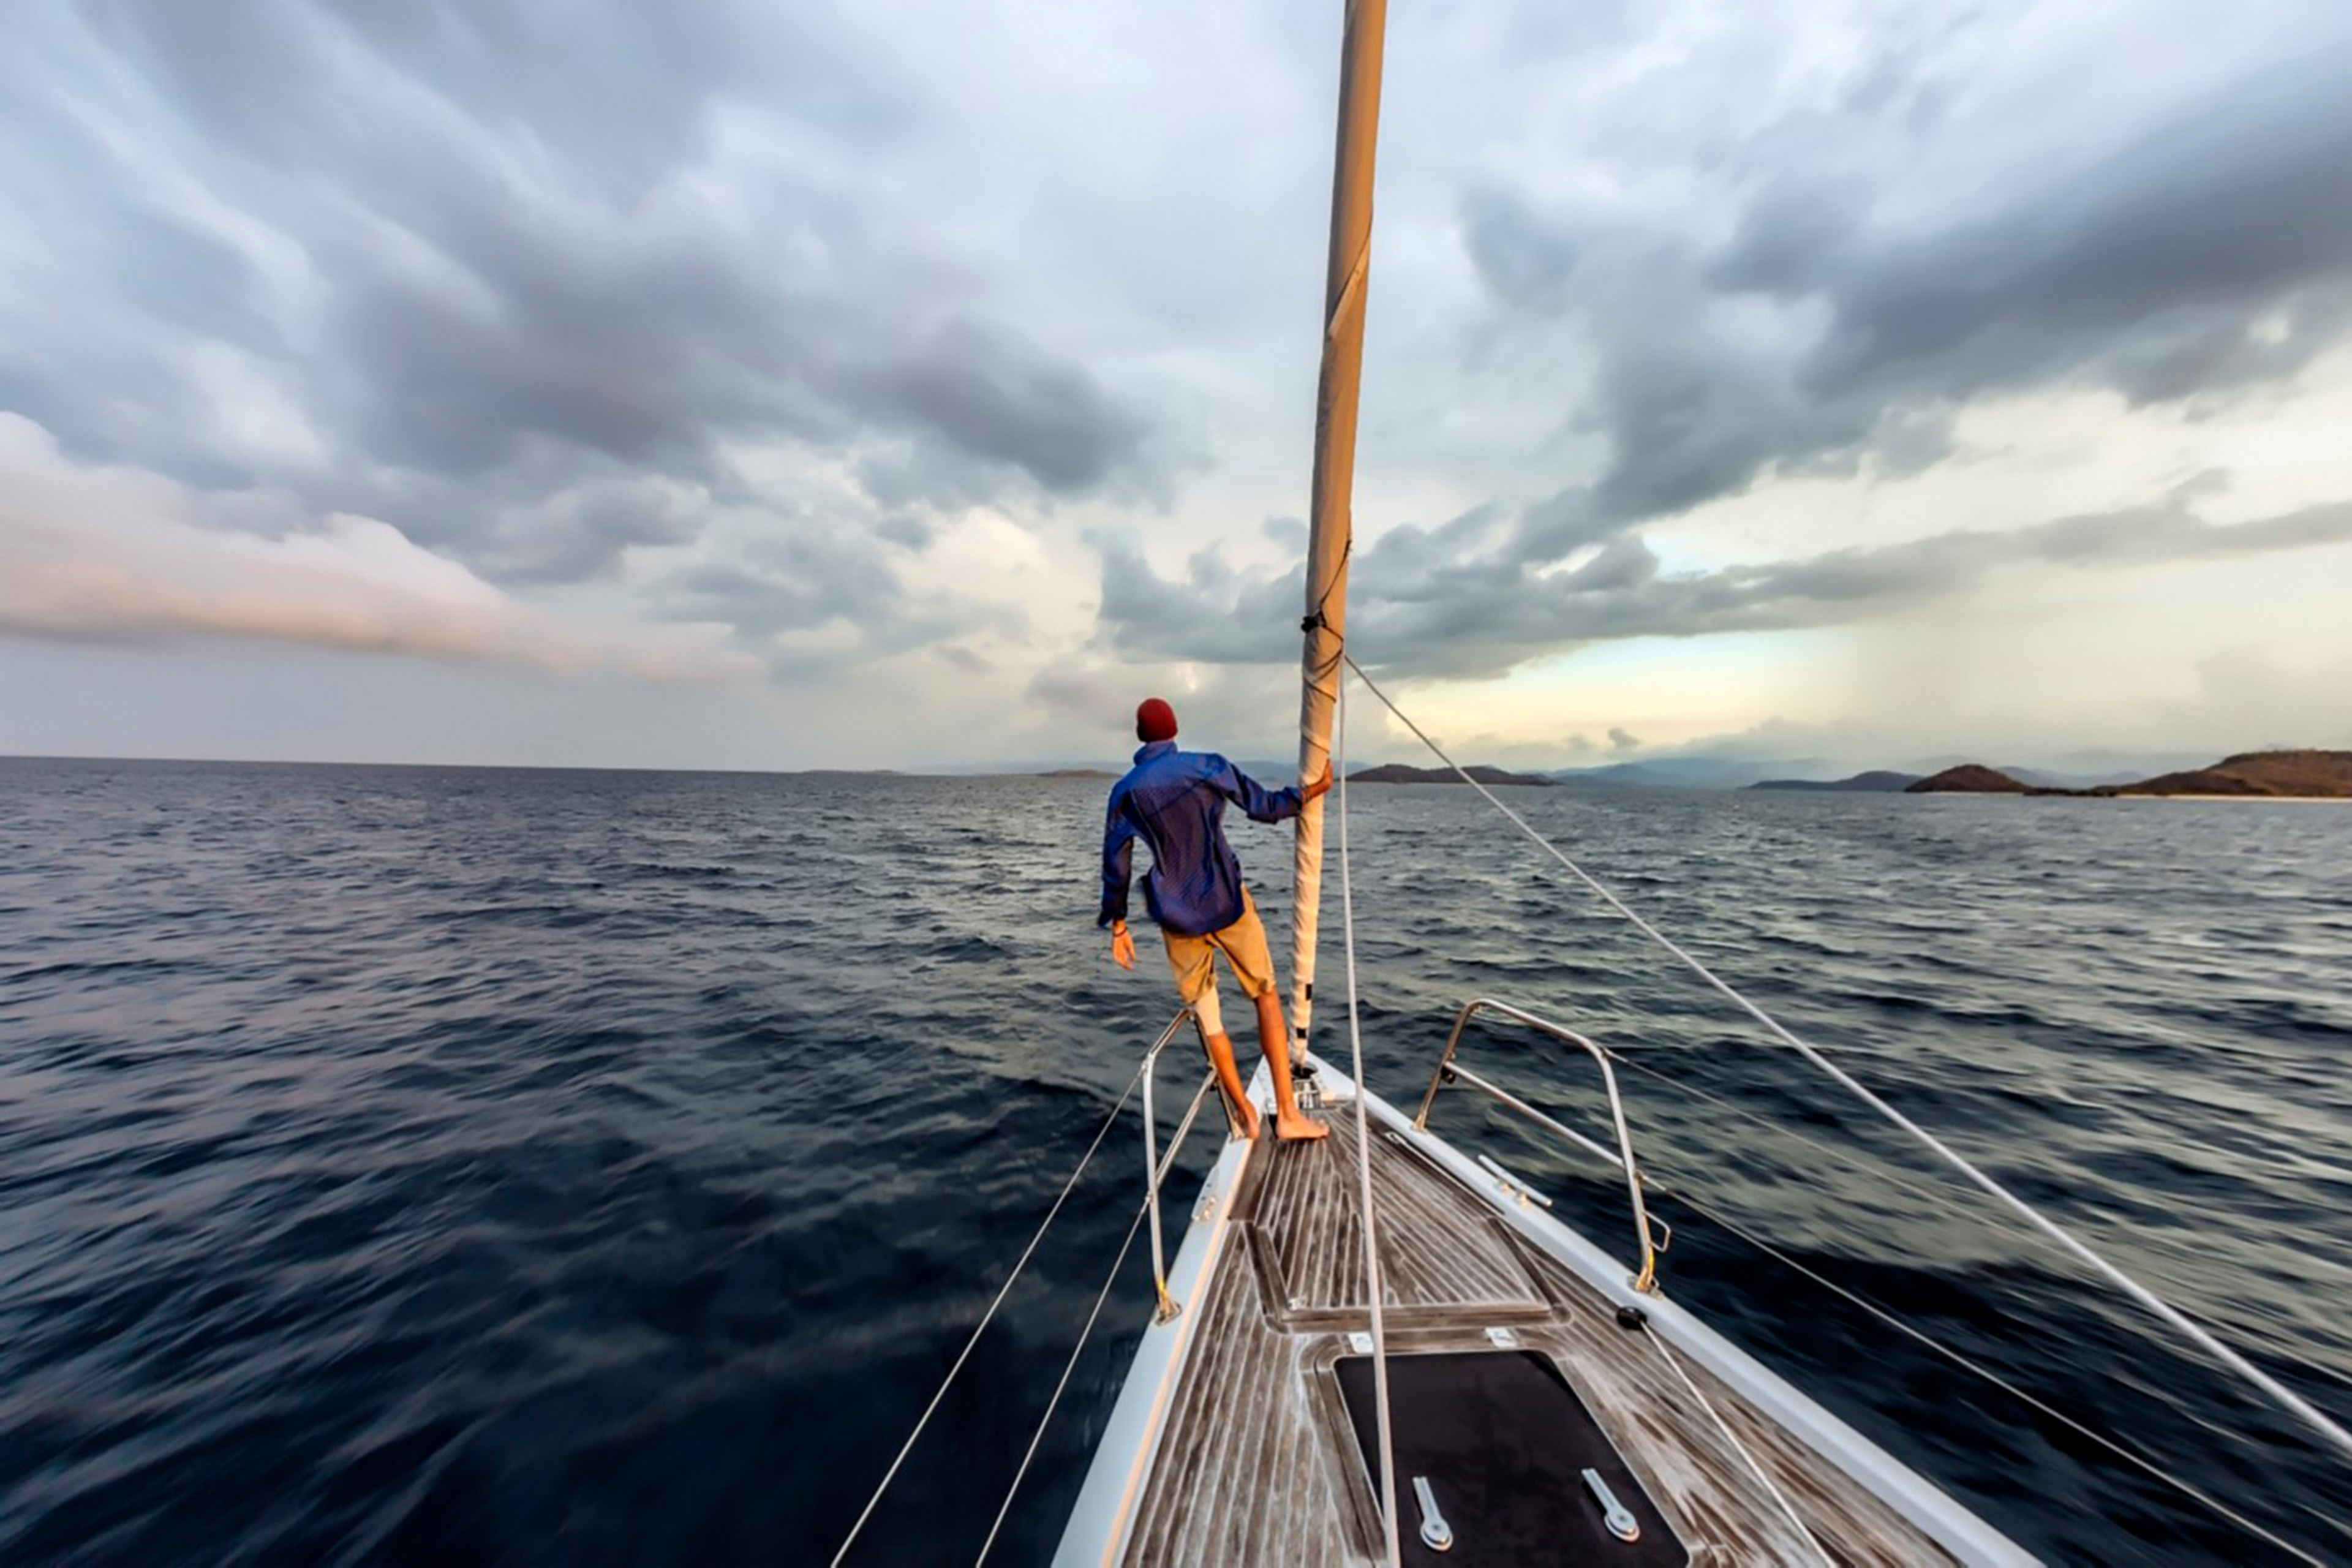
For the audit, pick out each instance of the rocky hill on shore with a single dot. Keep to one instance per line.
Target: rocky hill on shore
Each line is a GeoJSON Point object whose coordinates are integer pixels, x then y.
{"type": "Point", "coordinates": [1400, 773]}
{"type": "Point", "coordinates": [1970, 778]}
{"type": "Point", "coordinates": [1881, 781]}
{"type": "Point", "coordinates": [2304, 774]}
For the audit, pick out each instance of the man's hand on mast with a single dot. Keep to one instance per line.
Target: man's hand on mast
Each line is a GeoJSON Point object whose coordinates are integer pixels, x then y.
{"type": "Point", "coordinates": [1314, 791]}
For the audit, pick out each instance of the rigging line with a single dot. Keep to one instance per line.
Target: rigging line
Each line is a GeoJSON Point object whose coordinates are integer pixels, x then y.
{"type": "Point", "coordinates": [1682, 1194]}
{"type": "Point", "coordinates": [1373, 1287]}
{"type": "Point", "coordinates": [1895, 1178]}
{"type": "Point", "coordinates": [1967, 1364]}
{"type": "Point", "coordinates": [2310, 1414]}
{"type": "Point", "coordinates": [1070, 1366]}
{"type": "Point", "coordinates": [1326, 674]}
{"type": "Point", "coordinates": [985, 1318]}
{"type": "Point", "coordinates": [1315, 619]}
{"type": "Point", "coordinates": [1649, 1333]}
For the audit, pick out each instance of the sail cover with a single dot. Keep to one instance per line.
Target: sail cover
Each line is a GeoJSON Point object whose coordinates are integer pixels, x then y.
{"type": "Point", "coordinates": [1346, 278]}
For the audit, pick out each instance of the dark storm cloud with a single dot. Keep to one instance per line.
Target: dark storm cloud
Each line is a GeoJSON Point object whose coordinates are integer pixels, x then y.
{"type": "Point", "coordinates": [1832, 318]}
{"type": "Point", "coordinates": [798, 580]}
{"type": "Point", "coordinates": [1420, 611]}
{"type": "Point", "coordinates": [994, 396]}
{"type": "Point", "coordinates": [1211, 614]}
{"type": "Point", "coordinates": [470, 244]}
{"type": "Point", "coordinates": [961, 658]}
{"type": "Point", "coordinates": [2229, 214]}
{"type": "Point", "coordinates": [574, 533]}
{"type": "Point", "coordinates": [2212, 253]}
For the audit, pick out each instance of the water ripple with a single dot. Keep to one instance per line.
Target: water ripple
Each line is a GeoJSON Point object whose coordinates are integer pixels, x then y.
{"type": "Point", "coordinates": [409, 1164]}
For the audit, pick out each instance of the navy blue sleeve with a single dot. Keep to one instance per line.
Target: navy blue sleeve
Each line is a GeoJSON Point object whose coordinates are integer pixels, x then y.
{"type": "Point", "coordinates": [1117, 863]}
{"type": "Point", "coordinates": [1262, 803]}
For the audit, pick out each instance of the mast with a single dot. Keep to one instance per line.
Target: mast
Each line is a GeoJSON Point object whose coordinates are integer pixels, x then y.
{"type": "Point", "coordinates": [1346, 275]}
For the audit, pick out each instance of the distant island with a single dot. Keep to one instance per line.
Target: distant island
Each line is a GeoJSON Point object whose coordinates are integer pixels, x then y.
{"type": "Point", "coordinates": [1076, 774]}
{"type": "Point", "coordinates": [1402, 773]}
{"type": "Point", "coordinates": [2306, 774]}
{"type": "Point", "coordinates": [1879, 780]}
{"type": "Point", "coordinates": [1975, 778]}
{"type": "Point", "coordinates": [2250, 775]}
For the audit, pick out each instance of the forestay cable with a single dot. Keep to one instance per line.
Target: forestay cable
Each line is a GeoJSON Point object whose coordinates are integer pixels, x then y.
{"type": "Point", "coordinates": [985, 1318]}
{"type": "Point", "coordinates": [1372, 1286]}
{"type": "Point", "coordinates": [2295, 1402]}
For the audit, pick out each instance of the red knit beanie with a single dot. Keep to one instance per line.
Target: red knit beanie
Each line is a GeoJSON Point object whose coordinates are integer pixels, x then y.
{"type": "Point", "coordinates": [1155, 721]}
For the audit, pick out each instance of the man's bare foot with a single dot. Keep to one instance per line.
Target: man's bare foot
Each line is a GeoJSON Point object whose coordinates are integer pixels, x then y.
{"type": "Point", "coordinates": [1249, 1122]}
{"type": "Point", "coordinates": [1299, 1127]}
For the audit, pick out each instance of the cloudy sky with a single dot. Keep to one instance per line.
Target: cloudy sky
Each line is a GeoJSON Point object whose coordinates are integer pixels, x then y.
{"type": "Point", "coordinates": [902, 384]}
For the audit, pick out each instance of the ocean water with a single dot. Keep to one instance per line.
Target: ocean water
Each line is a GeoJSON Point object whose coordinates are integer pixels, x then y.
{"type": "Point", "coordinates": [481, 1166]}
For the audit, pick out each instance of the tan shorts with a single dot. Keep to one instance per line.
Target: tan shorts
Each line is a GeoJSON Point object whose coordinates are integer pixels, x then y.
{"type": "Point", "coordinates": [1244, 945]}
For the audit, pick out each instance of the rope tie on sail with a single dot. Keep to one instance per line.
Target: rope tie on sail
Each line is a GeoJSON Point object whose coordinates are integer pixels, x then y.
{"type": "Point", "coordinates": [1373, 1287]}
{"type": "Point", "coordinates": [1315, 620]}
{"type": "Point", "coordinates": [986, 1319]}
{"type": "Point", "coordinates": [2294, 1403]}
{"type": "Point", "coordinates": [1350, 292]}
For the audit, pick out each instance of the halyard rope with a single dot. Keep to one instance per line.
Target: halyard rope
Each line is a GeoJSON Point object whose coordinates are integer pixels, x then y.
{"type": "Point", "coordinates": [985, 1318]}
{"type": "Point", "coordinates": [1372, 1287]}
{"type": "Point", "coordinates": [2295, 1402]}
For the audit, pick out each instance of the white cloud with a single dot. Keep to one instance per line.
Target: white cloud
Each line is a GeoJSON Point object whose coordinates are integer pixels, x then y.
{"type": "Point", "coordinates": [118, 555]}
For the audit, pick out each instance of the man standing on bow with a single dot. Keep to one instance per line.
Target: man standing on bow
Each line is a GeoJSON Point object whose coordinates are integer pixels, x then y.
{"type": "Point", "coordinates": [1175, 801]}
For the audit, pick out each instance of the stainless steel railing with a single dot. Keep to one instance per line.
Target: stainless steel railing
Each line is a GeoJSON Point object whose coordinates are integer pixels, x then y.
{"type": "Point", "coordinates": [1450, 1071]}
{"type": "Point", "coordinates": [1155, 1167]}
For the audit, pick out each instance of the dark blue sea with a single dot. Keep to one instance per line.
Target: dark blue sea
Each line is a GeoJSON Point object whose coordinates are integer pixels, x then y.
{"type": "Point", "coordinates": [450, 1166]}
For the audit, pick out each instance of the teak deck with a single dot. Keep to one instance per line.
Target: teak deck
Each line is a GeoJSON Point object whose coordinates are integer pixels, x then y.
{"type": "Point", "coordinates": [1255, 1462]}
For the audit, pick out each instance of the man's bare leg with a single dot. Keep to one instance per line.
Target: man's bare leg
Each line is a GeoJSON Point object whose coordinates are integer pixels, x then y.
{"type": "Point", "coordinates": [1229, 1078]}
{"type": "Point", "coordinates": [1274, 1038]}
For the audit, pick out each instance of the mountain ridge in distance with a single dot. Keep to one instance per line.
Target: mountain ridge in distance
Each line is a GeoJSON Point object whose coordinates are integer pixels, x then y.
{"type": "Point", "coordinates": [1879, 781]}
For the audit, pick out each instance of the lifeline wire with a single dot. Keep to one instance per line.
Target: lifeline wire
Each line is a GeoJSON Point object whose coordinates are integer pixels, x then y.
{"type": "Point", "coordinates": [1364, 1153]}
{"type": "Point", "coordinates": [1895, 1178]}
{"type": "Point", "coordinates": [985, 1318]}
{"type": "Point", "coordinates": [1966, 1364]}
{"type": "Point", "coordinates": [1068, 1367]}
{"type": "Point", "coordinates": [2310, 1414]}
{"type": "Point", "coordinates": [1649, 1333]}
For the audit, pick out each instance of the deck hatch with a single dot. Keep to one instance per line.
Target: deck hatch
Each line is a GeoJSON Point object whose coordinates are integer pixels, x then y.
{"type": "Point", "coordinates": [1502, 1442]}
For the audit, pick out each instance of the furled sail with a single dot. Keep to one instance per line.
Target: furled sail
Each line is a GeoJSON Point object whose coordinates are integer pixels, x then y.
{"type": "Point", "coordinates": [1346, 277]}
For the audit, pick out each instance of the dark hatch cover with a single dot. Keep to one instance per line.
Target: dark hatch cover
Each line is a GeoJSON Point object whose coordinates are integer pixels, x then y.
{"type": "Point", "coordinates": [1504, 1441]}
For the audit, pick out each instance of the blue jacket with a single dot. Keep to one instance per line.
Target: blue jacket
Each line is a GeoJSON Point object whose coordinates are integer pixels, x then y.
{"type": "Point", "coordinates": [1176, 802]}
